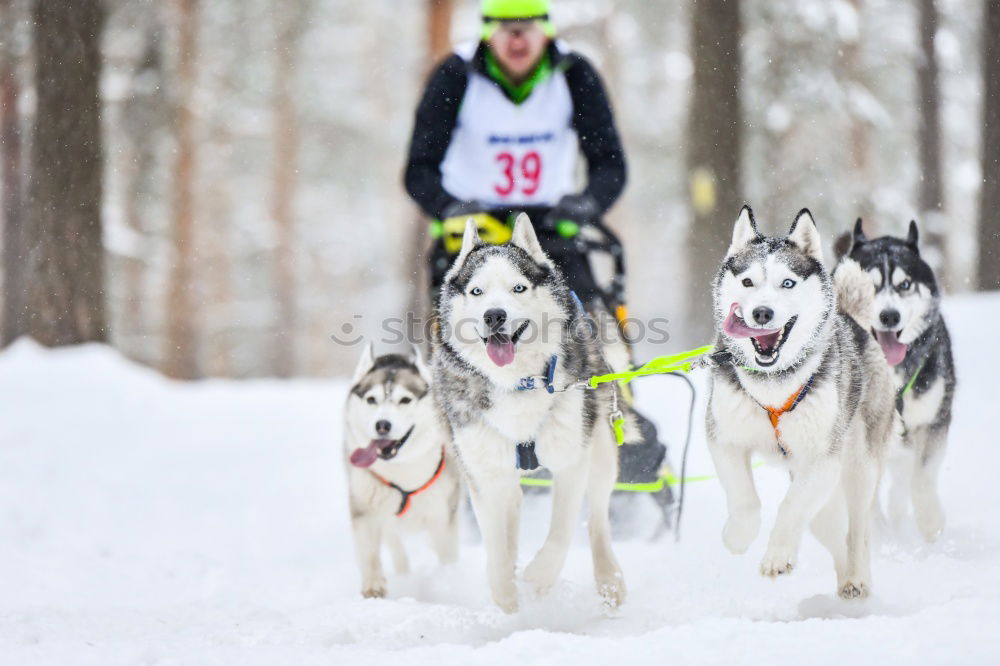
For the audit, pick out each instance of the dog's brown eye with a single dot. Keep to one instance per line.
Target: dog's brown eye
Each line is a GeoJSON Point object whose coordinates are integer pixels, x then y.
{"type": "Point", "coordinates": [405, 401]}
{"type": "Point", "coordinates": [370, 400]}
{"type": "Point", "coordinates": [747, 282]}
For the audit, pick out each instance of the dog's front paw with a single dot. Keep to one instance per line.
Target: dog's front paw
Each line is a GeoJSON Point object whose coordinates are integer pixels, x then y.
{"type": "Point", "coordinates": [740, 531]}
{"type": "Point", "coordinates": [611, 587]}
{"type": "Point", "coordinates": [930, 521]}
{"type": "Point", "coordinates": [503, 589]}
{"type": "Point", "coordinates": [854, 589]}
{"type": "Point", "coordinates": [506, 599]}
{"type": "Point", "coordinates": [541, 573]}
{"type": "Point", "coordinates": [373, 589]}
{"type": "Point", "coordinates": [777, 562]}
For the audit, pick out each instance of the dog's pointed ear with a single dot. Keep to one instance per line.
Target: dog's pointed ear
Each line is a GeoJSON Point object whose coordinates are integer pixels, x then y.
{"type": "Point", "coordinates": [744, 231]}
{"type": "Point", "coordinates": [524, 237]}
{"type": "Point", "coordinates": [913, 237]}
{"type": "Point", "coordinates": [856, 238]}
{"type": "Point", "coordinates": [805, 234]}
{"type": "Point", "coordinates": [365, 363]}
{"type": "Point", "coordinates": [470, 239]}
{"type": "Point", "coordinates": [418, 361]}
{"type": "Point", "coordinates": [859, 234]}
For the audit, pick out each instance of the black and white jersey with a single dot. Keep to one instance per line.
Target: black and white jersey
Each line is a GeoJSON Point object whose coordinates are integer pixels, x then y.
{"type": "Point", "coordinates": [471, 141]}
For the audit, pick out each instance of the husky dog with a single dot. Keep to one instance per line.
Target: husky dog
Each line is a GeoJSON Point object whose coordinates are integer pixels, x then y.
{"type": "Point", "coordinates": [907, 322]}
{"type": "Point", "coordinates": [509, 322]}
{"type": "Point", "coordinates": [400, 473]}
{"type": "Point", "coordinates": [807, 386]}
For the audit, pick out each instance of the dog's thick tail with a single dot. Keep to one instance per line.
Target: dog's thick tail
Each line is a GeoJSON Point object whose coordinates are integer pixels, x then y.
{"type": "Point", "coordinates": [855, 294]}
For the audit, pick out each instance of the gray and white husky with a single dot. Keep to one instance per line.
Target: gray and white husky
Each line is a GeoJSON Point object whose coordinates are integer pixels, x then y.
{"type": "Point", "coordinates": [507, 321]}
{"type": "Point", "coordinates": [907, 322]}
{"type": "Point", "coordinates": [808, 387]}
{"type": "Point", "coordinates": [400, 473]}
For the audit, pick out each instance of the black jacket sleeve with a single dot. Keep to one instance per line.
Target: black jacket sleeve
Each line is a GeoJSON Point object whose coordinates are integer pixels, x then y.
{"type": "Point", "coordinates": [435, 119]}
{"type": "Point", "coordinates": [595, 126]}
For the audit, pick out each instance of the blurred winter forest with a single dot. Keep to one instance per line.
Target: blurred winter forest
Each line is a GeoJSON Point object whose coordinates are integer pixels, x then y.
{"type": "Point", "coordinates": [214, 186]}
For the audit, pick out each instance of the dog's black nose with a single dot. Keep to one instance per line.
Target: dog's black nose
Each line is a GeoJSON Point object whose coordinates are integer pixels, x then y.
{"type": "Point", "coordinates": [889, 318]}
{"type": "Point", "coordinates": [763, 315]}
{"type": "Point", "coordinates": [383, 427]}
{"type": "Point", "coordinates": [494, 318]}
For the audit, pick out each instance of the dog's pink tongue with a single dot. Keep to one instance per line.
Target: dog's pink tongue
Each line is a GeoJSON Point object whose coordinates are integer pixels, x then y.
{"type": "Point", "coordinates": [366, 456]}
{"type": "Point", "coordinates": [894, 350]}
{"type": "Point", "coordinates": [500, 349]}
{"type": "Point", "coordinates": [735, 327]}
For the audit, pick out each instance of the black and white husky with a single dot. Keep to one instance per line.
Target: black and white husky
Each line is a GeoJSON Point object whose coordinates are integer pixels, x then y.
{"type": "Point", "coordinates": [400, 473]}
{"type": "Point", "coordinates": [908, 325]}
{"type": "Point", "coordinates": [808, 387]}
{"type": "Point", "coordinates": [508, 322]}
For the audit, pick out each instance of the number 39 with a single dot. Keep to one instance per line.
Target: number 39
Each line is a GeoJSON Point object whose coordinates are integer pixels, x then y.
{"type": "Point", "coordinates": [528, 176]}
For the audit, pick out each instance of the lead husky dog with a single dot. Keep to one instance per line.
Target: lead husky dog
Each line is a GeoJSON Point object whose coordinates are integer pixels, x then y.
{"type": "Point", "coordinates": [399, 472]}
{"type": "Point", "coordinates": [807, 387]}
{"type": "Point", "coordinates": [908, 325]}
{"type": "Point", "coordinates": [506, 317]}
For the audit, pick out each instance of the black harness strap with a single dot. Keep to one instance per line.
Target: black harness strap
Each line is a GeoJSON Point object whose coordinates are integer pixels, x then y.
{"type": "Point", "coordinates": [524, 456]}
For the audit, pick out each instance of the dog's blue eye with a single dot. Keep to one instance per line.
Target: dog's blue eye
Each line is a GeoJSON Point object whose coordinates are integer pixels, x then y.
{"type": "Point", "coordinates": [518, 288]}
{"type": "Point", "coordinates": [904, 285]}
{"type": "Point", "coordinates": [476, 291]}
{"type": "Point", "coordinates": [747, 282]}
{"type": "Point", "coordinates": [788, 283]}
{"type": "Point", "coordinates": [371, 400]}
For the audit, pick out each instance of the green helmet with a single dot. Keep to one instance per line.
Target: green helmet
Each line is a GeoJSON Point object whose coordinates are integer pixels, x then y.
{"type": "Point", "coordinates": [495, 11]}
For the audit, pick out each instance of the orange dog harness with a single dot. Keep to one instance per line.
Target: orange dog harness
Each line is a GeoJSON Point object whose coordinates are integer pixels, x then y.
{"type": "Point", "coordinates": [408, 495]}
{"type": "Point", "coordinates": [775, 413]}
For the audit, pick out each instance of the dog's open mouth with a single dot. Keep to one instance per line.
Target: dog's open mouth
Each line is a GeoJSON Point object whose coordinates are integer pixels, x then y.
{"type": "Point", "coordinates": [386, 449]}
{"type": "Point", "coordinates": [500, 347]}
{"type": "Point", "coordinates": [894, 350]}
{"type": "Point", "coordinates": [767, 342]}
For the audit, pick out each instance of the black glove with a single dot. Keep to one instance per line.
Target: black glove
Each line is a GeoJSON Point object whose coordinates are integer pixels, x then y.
{"type": "Point", "coordinates": [579, 208]}
{"type": "Point", "coordinates": [456, 208]}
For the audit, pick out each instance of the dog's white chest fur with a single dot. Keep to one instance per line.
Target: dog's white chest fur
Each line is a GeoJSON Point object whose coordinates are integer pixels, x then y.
{"type": "Point", "coordinates": [551, 421]}
{"type": "Point", "coordinates": [745, 423]}
{"type": "Point", "coordinates": [519, 415]}
{"type": "Point", "coordinates": [920, 410]}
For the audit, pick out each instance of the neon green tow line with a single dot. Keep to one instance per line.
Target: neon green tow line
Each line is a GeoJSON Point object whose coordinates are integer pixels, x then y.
{"type": "Point", "coordinates": [661, 365]}
{"type": "Point", "coordinates": [913, 380]}
{"type": "Point", "coordinates": [658, 366]}
{"type": "Point", "coordinates": [648, 487]}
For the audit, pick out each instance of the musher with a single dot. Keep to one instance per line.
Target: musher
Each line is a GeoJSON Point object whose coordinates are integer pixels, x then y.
{"type": "Point", "coordinates": [498, 130]}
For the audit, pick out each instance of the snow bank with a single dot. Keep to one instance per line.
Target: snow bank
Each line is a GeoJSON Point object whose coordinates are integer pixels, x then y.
{"type": "Point", "coordinates": [155, 522]}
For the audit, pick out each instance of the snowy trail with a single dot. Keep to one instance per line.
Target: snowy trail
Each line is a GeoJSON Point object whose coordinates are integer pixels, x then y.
{"type": "Point", "coordinates": [144, 521]}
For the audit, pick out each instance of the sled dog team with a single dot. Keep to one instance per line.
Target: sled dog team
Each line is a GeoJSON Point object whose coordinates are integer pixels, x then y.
{"type": "Point", "coordinates": [835, 375]}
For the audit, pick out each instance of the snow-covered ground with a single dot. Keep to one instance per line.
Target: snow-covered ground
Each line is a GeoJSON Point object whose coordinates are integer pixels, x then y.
{"type": "Point", "coordinates": [144, 521]}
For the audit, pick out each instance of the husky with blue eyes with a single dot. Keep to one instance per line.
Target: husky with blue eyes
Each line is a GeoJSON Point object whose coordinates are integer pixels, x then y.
{"type": "Point", "coordinates": [511, 352]}
{"type": "Point", "coordinates": [805, 386]}
{"type": "Point", "coordinates": [400, 472]}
